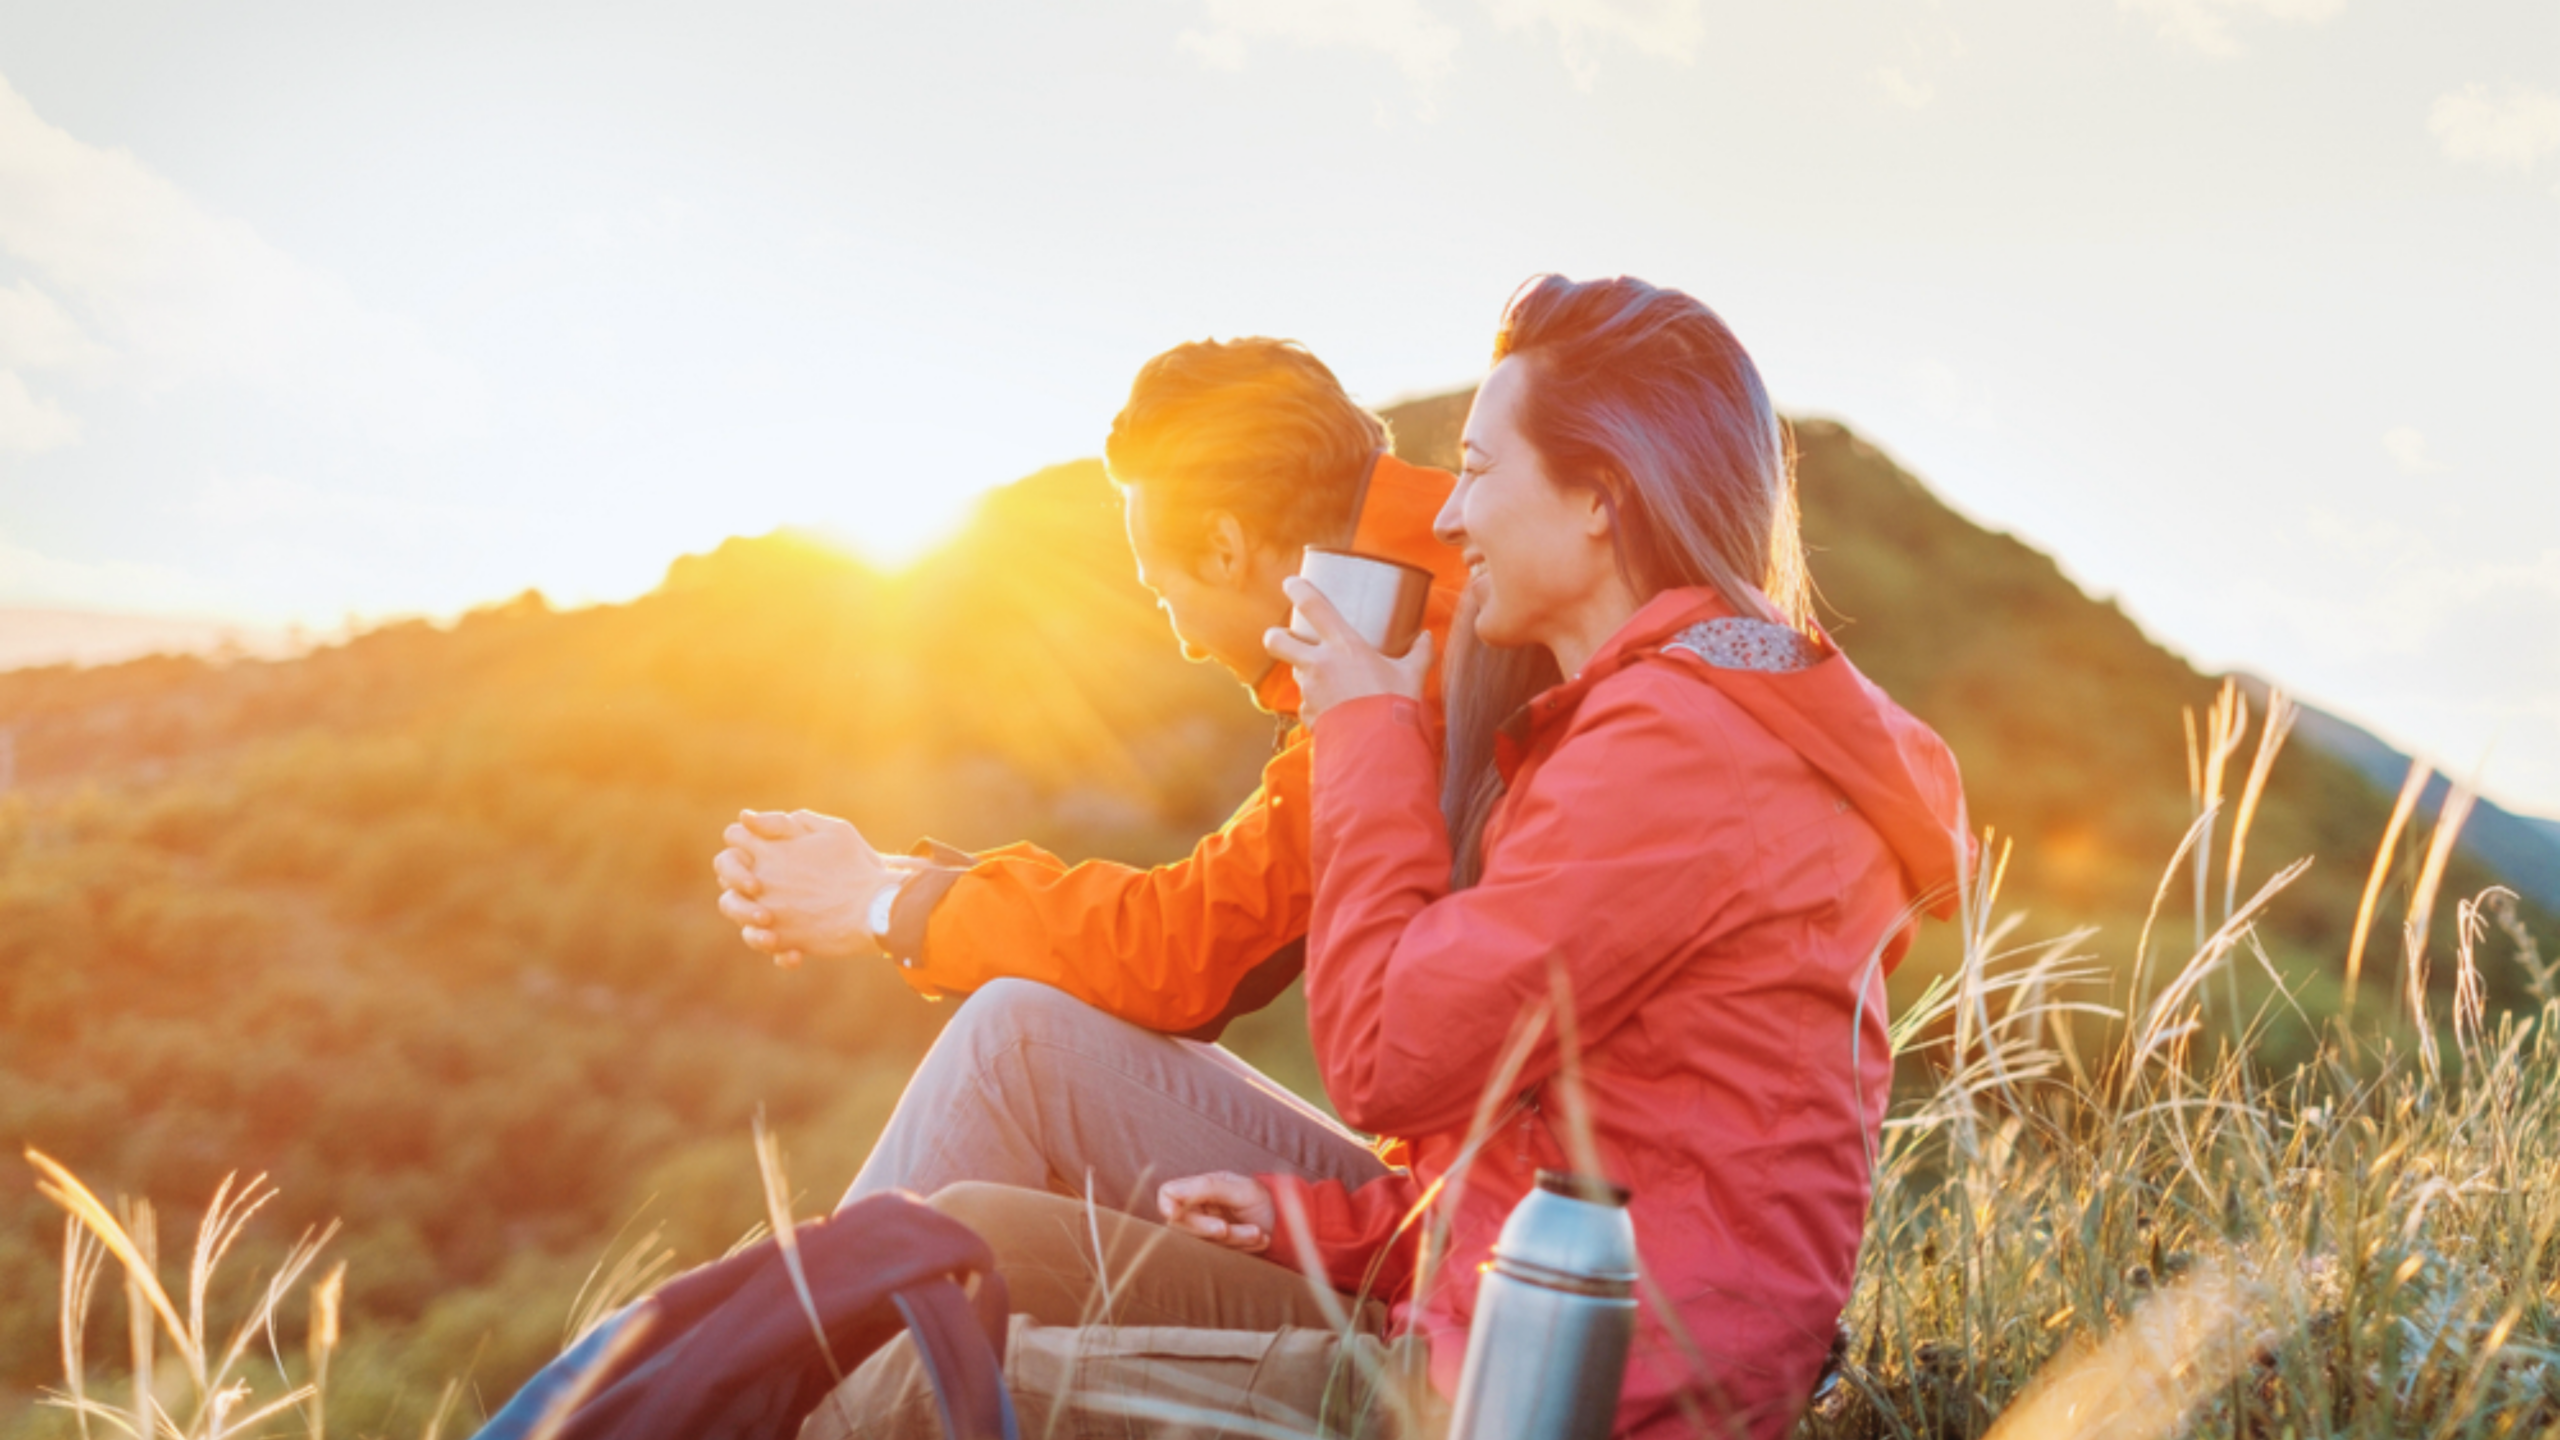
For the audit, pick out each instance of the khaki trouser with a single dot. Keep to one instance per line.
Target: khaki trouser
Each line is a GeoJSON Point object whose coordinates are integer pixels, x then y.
{"type": "Point", "coordinates": [1123, 1328]}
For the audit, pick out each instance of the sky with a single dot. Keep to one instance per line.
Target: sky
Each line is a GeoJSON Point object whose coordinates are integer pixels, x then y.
{"type": "Point", "coordinates": [2247, 311]}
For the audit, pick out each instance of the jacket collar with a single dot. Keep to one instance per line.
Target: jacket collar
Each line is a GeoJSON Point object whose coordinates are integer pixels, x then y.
{"type": "Point", "coordinates": [1396, 505]}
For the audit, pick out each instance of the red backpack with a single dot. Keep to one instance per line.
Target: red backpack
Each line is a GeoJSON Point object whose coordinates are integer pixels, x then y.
{"type": "Point", "coordinates": [729, 1351]}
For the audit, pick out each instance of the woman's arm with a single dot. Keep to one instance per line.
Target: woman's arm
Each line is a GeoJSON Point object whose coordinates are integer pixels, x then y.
{"type": "Point", "coordinates": [1619, 853]}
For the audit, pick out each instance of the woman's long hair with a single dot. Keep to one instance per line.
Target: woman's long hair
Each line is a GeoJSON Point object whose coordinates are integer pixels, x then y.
{"type": "Point", "coordinates": [1642, 394]}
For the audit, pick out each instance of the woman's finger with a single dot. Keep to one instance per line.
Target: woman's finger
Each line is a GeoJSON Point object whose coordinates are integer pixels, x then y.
{"type": "Point", "coordinates": [740, 911]}
{"type": "Point", "coordinates": [1319, 613]}
{"type": "Point", "coordinates": [1415, 664]}
{"type": "Point", "coordinates": [1290, 648]}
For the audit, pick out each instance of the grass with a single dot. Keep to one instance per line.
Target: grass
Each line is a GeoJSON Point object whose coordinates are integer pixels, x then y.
{"type": "Point", "coordinates": [2098, 1212]}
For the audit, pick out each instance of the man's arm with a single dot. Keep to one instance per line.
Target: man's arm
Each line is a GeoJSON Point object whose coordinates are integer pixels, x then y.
{"type": "Point", "coordinates": [1172, 948]}
{"type": "Point", "coordinates": [1180, 947]}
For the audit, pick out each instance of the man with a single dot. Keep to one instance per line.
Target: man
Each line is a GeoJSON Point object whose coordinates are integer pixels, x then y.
{"type": "Point", "coordinates": [1081, 1063]}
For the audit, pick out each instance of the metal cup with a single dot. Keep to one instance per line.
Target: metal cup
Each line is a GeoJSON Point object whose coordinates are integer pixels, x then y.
{"type": "Point", "coordinates": [1381, 599]}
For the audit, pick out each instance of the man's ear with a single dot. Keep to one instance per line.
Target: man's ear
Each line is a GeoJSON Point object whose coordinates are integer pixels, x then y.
{"type": "Point", "coordinates": [1226, 554]}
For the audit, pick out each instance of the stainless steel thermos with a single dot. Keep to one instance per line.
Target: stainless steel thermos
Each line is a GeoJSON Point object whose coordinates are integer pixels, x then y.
{"type": "Point", "coordinates": [1547, 1352]}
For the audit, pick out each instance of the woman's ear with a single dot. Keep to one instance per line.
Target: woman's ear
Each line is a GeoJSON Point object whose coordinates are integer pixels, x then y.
{"type": "Point", "coordinates": [1599, 519]}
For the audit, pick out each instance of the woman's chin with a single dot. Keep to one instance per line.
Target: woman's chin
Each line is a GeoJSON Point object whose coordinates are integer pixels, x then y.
{"type": "Point", "coordinates": [1493, 628]}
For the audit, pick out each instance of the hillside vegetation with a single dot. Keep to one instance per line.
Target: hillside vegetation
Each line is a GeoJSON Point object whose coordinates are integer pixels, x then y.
{"type": "Point", "coordinates": [420, 925]}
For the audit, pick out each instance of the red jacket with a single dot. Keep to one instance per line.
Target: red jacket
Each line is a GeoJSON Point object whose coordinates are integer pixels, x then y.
{"type": "Point", "coordinates": [1724, 864]}
{"type": "Point", "coordinates": [1187, 946]}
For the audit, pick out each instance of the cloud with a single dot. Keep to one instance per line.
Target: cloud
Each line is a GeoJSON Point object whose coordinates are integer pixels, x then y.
{"type": "Point", "coordinates": [1666, 29]}
{"type": "Point", "coordinates": [113, 271]}
{"type": "Point", "coordinates": [2206, 24]}
{"type": "Point", "coordinates": [2511, 132]}
{"type": "Point", "coordinates": [27, 577]}
{"type": "Point", "coordinates": [1902, 90]}
{"type": "Point", "coordinates": [35, 334]}
{"type": "Point", "coordinates": [1422, 46]}
{"type": "Point", "coordinates": [29, 425]}
{"type": "Point", "coordinates": [2408, 449]}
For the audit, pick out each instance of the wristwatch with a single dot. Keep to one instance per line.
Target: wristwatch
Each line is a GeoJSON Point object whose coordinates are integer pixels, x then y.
{"type": "Point", "coordinates": [884, 906]}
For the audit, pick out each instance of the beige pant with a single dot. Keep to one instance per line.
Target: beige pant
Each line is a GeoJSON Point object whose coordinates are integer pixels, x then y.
{"type": "Point", "coordinates": [1123, 1328]}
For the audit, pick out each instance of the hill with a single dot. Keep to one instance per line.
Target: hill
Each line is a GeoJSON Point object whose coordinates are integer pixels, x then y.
{"type": "Point", "coordinates": [420, 924]}
{"type": "Point", "coordinates": [2523, 850]}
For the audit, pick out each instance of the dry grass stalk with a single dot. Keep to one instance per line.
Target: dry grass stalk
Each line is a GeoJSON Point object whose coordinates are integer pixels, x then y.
{"type": "Point", "coordinates": [620, 1275]}
{"type": "Point", "coordinates": [222, 1402]}
{"type": "Point", "coordinates": [2410, 789]}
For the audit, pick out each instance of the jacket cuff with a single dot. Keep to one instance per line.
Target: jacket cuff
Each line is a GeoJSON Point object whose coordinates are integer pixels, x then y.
{"type": "Point", "coordinates": [912, 913]}
{"type": "Point", "coordinates": [1284, 1247]}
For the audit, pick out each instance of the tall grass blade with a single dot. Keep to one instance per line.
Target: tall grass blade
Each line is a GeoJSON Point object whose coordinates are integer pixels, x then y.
{"type": "Point", "coordinates": [64, 1189]}
{"type": "Point", "coordinates": [2410, 789]}
{"type": "Point", "coordinates": [786, 1238]}
{"type": "Point", "coordinates": [2281, 714]}
{"type": "Point", "coordinates": [82, 1257]}
{"type": "Point", "coordinates": [617, 1278]}
{"type": "Point", "coordinates": [322, 1343]}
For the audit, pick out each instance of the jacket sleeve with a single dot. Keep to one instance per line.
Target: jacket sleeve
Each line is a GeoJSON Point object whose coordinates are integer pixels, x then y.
{"type": "Point", "coordinates": [1612, 858]}
{"type": "Point", "coordinates": [1164, 947]}
{"type": "Point", "coordinates": [1362, 1246]}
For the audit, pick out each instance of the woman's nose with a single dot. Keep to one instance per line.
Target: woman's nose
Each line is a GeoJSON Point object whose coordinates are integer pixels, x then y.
{"type": "Point", "coordinates": [1449, 526]}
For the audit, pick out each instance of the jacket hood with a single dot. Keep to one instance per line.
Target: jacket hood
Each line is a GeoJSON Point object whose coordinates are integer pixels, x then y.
{"type": "Point", "coordinates": [1396, 505]}
{"type": "Point", "coordinates": [1897, 772]}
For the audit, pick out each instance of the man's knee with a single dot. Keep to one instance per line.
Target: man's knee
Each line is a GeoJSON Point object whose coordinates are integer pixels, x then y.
{"type": "Point", "coordinates": [1005, 1011]}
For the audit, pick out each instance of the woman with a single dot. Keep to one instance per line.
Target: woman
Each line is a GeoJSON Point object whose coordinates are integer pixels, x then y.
{"type": "Point", "coordinates": [1638, 924]}
{"type": "Point", "coordinates": [1696, 850]}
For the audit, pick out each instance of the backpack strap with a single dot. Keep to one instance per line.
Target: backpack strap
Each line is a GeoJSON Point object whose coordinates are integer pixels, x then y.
{"type": "Point", "coordinates": [966, 1370]}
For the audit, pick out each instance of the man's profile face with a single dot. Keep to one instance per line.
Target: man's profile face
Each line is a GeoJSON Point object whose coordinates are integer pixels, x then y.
{"type": "Point", "coordinates": [1217, 600]}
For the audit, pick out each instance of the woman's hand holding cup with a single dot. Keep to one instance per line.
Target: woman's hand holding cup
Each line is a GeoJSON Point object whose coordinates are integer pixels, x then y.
{"type": "Point", "coordinates": [1337, 664]}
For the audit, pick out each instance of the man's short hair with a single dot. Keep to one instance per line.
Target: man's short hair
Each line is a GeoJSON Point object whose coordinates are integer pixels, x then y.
{"type": "Point", "coordinates": [1258, 428]}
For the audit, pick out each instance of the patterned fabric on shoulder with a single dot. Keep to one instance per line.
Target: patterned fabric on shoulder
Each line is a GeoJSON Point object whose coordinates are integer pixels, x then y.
{"type": "Point", "coordinates": [1738, 644]}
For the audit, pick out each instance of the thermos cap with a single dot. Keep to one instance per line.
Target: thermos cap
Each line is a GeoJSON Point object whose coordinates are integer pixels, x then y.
{"type": "Point", "coordinates": [1559, 1239]}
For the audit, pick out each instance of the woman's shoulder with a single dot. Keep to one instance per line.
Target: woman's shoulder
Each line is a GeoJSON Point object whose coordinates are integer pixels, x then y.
{"type": "Point", "coordinates": [1663, 697]}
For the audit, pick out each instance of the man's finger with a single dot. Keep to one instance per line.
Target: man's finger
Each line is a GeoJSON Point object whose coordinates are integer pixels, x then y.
{"type": "Point", "coordinates": [738, 910]}
{"type": "Point", "coordinates": [767, 824]}
{"type": "Point", "coordinates": [760, 940]}
{"type": "Point", "coordinates": [787, 960]}
{"type": "Point", "coordinates": [736, 870]}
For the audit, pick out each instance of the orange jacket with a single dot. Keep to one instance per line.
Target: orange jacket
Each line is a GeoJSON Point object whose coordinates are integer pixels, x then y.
{"type": "Point", "coordinates": [1187, 946]}
{"type": "Point", "coordinates": [1721, 864]}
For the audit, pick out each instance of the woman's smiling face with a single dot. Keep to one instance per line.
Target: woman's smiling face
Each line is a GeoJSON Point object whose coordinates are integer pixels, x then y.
{"type": "Point", "coordinates": [1539, 558]}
